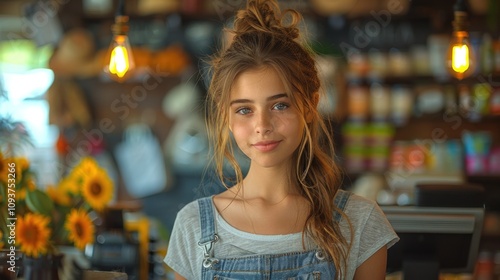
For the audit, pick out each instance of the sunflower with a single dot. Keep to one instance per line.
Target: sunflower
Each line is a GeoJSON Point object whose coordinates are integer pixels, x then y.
{"type": "Point", "coordinates": [80, 227]}
{"type": "Point", "coordinates": [69, 184]}
{"type": "Point", "coordinates": [58, 195]}
{"type": "Point", "coordinates": [97, 188]}
{"type": "Point", "coordinates": [33, 234]}
{"type": "Point", "coordinates": [87, 165]}
{"type": "Point", "coordinates": [22, 164]}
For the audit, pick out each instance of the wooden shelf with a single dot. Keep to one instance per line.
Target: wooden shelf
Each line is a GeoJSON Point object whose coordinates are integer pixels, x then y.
{"type": "Point", "coordinates": [485, 178]}
{"type": "Point", "coordinates": [426, 79]}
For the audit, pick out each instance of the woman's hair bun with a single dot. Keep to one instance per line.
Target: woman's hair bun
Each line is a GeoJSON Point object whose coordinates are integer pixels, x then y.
{"type": "Point", "coordinates": [265, 16]}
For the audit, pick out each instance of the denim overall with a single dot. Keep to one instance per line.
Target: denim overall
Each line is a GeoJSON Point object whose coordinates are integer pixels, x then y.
{"type": "Point", "coordinates": [295, 265]}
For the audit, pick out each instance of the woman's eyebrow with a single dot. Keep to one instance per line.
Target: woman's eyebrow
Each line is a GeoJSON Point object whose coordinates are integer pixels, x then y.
{"type": "Point", "coordinates": [277, 96]}
{"type": "Point", "coordinates": [270, 98]}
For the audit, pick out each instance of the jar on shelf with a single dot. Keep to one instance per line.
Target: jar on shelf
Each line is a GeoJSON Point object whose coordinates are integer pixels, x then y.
{"type": "Point", "coordinates": [420, 60]}
{"type": "Point", "coordinates": [496, 56]}
{"type": "Point", "coordinates": [358, 65]}
{"type": "Point", "coordinates": [495, 101]}
{"type": "Point", "coordinates": [380, 102]}
{"type": "Point", "coordinates": [355, 136]}
{"type": "Point", "coordinates": [397, 156]}
{"type": "Point", "coordinates": [401, 104]}
{"type": "Point", "coordinates": [486, 54]}
{"type": "Point", "coordinates": [379, 142]}
{"type": "Point", "coordinates": [416, 158]}
{"type": "Point", "coordinates": [379, 67]}
{"type": "Point", "coordinates": [430, 99]}
{"type": "Point", "coordinates": [465, 101]}
{"type": "Point", "coordinates": [450, 96]}
{"type": "Point", "coordinates": [358, 102]}
{"type": "Point", "coordinates": [481, 100]}
{"type": "Point", "coordinates": [438, 46]}
{"type": "Point", "coordinates": [399, 63]}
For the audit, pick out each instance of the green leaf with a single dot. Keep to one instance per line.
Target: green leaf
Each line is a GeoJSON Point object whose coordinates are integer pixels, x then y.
{"type": "Point", "coordinates": [39, 202]}
{"type": "Point", "coordinates": [3, 194]}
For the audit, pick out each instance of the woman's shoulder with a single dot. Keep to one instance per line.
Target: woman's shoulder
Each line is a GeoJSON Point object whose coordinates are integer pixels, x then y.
{"type": "Point", "coordinates": [365, 214]}
{"type": "Point", "coordinates": [190, 211]}
{"type": "Point", "coordinates": [359, 206]}
{"type": "Point", "coordinates": [187, 222]}
{"type": "Point", "coordinates": [359, 200]}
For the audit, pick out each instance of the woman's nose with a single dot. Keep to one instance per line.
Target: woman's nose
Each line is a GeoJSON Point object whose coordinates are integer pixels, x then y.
{"type": "Point", "coordinates": [263, 123]}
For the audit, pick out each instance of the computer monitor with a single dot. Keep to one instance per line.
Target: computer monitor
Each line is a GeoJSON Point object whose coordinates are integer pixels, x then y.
{"type": "Point", "coordinates": [434, 240]}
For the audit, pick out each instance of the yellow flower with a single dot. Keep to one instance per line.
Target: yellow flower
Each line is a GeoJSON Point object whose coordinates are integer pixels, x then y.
{"type": "Point", "coordinates": [58, 195]}
{"type": "Point", "coordinates": [30, 186]}
{"type": "Point", "coordinates": [80, 227]}
{"type": "Point", "coordinates": [97, 188]}
{"type": "Point", "coordinates": [33, 234]}
{"type": "Point", "coordinates": [69, 184]}
{"type": "Point", "coordinates": [86, 166]}
{"type": "Point", "coordinates": [22, 164]}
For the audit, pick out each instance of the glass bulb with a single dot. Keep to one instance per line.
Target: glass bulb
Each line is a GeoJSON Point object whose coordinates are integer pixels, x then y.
{"type": "Point", "coordinates": [121, 60]}
{"type": "Point", "coordinates": [460, 55]}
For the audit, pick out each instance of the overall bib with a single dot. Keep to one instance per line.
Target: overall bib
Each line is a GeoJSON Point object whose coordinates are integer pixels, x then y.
{"type": "Point", "coordinates": [304, 265]}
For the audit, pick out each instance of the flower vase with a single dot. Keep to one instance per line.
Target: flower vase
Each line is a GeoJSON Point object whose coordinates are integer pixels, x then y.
{"type": "Point", "coordinates": [74, 263]}
{"type": "Point", "coordinates": [42, 268]}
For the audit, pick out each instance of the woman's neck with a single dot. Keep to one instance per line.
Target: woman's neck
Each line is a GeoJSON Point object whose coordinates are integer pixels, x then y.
{"type": "Point", "coordinates": [267, 184]}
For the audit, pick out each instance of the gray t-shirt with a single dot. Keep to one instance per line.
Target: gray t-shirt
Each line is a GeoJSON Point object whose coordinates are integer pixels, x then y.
{"type": "Point", "coordinates": [371, 232]}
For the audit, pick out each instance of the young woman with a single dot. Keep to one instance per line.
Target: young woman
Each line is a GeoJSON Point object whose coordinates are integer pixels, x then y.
{"type": "Point", "coordinates": [287, 218]}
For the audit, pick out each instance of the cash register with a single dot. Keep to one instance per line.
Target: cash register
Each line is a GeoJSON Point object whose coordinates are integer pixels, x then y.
{"type": "Point", "coordinates": [114, 248]}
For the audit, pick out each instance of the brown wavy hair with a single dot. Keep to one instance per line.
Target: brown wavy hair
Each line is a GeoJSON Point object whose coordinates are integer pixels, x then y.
{"type": "Point", "coordinates": [263, 36]}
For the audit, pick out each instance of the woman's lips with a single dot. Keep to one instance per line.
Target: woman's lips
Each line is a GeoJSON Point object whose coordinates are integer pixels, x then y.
{"type": "Point", "coordinates": [266, 146]}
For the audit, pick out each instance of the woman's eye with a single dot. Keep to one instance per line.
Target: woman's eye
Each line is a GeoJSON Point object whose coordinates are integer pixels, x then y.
{"type": "Point", "coordinates": [281, 106]}
{"type": "Point", "coordinates": [243, 111]}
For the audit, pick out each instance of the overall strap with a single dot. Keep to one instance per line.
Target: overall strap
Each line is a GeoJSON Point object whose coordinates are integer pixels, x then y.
{"type": "Point", "coordinates": [208, 233]}
{"type": "Point", "coordinates": [206, 219]}
{"type": "Point", "coordinates": [341, 199]}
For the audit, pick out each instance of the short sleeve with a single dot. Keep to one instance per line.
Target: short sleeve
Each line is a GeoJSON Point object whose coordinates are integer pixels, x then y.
{"type": "Point", "coordinates": [183, 252]}
{"type": "Point", "coordinates": [376, 233]}
{"type": "Point", "coordinates": [368, 230]}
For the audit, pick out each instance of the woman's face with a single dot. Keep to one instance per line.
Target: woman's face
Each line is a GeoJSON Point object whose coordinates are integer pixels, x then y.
{"type": "Point", "coordinates": [264, 124]}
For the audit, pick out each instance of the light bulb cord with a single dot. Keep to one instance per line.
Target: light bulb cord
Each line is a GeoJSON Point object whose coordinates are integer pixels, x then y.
{"type": "Point", "coordinates": [460, 6]}
{"type": "Point", "coordinates": [121, 20]}
{"type": "Point", "coordinates": [460, 16]}
{"type": "Point", "coordinates": [120, 11]}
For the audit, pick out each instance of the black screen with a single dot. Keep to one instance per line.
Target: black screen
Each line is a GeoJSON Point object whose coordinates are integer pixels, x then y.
{"type": "Point", "coordinates": [450, 250]}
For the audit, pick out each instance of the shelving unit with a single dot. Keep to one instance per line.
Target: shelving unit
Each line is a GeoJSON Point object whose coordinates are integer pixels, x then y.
{"type": "Point", "coordinates": [449, 122]}
{"type": "Point", "coordinates": [425, 18]}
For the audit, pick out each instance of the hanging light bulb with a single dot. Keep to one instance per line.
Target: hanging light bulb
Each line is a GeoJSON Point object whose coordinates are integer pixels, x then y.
{"type": "Point", "coordinates": [460, 56]}
{"type": "Point", "coordinates": [120, 64]}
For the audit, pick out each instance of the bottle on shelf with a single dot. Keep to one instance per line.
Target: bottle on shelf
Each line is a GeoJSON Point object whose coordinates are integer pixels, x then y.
{"type": "Point", "coordinates": [486, 54]}
{"type": "Point", "coordinates": [484, 266]}
{"type": "Point", "coordinates": [496, 265]}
